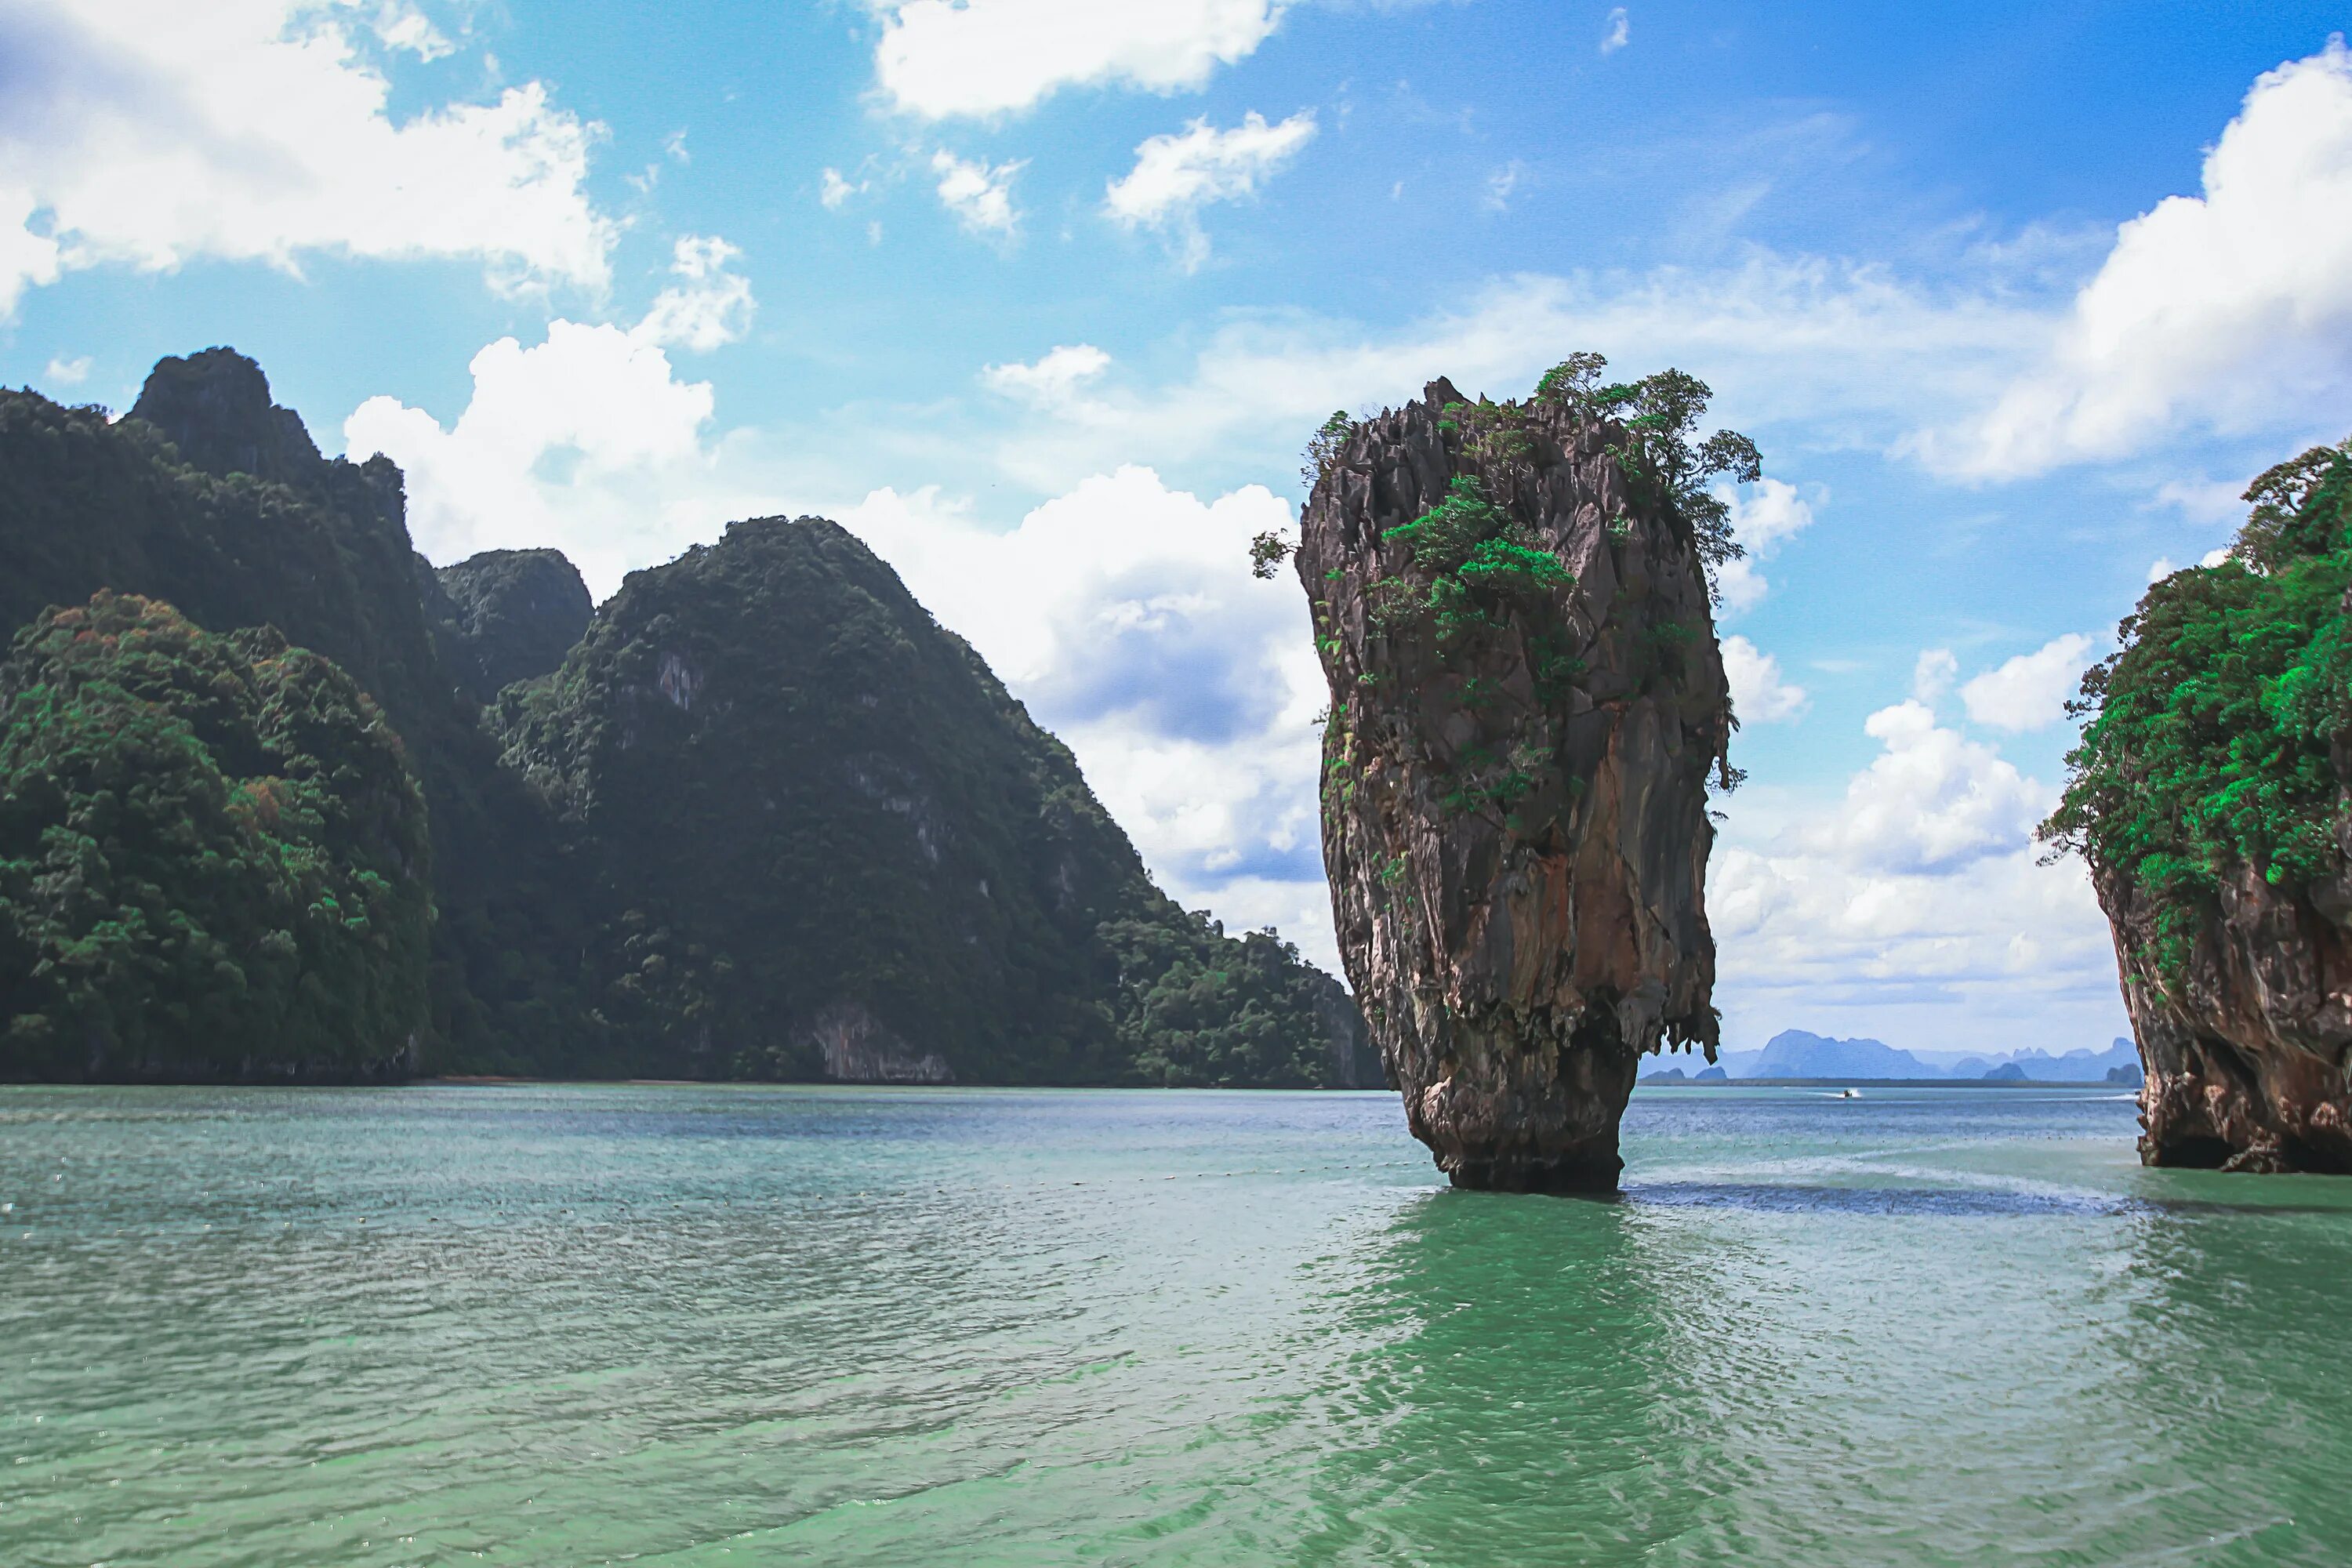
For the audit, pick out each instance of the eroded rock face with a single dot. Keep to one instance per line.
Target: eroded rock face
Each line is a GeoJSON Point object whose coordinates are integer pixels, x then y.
{"type": "Point", "coordinates": [1515, 771]}
{"type": "Point", "coordinates": [2247, 1056]}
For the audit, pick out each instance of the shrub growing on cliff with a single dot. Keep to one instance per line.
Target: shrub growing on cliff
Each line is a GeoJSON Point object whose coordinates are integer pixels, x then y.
{"type": "Point", "coordinates": [1476, 558]}
{"type": "Point", "coordinates": [1659, 415]}
{"type": "Point", "coordinates": [2209, 734]}
{"type": "Point", "coordinates": [211, 852]}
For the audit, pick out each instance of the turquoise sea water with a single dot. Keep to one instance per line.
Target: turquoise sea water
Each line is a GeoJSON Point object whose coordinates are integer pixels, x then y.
{"type": "Point", "coordinates": [555, 1325]}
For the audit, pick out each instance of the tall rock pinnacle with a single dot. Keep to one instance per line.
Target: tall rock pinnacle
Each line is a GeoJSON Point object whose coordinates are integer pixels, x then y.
{"type": "Point", "coordinates": [1511, 608]}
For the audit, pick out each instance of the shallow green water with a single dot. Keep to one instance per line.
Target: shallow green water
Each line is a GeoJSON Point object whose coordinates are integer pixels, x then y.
{"type": "Point", "coordinates": [736, 1325]}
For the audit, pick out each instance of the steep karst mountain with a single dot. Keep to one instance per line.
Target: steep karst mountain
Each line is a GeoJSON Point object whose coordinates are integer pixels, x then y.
{"type": "Point", "coordinates": [825, 842]}
{"type": "Point", "coordinates": [213, 499]}
{"type": "Point", "coordinates": [2211, 795]}
{"type": "Point", "coordinates": [1511, 606]}
{"type": "Point", "coordinates": [765, 818]}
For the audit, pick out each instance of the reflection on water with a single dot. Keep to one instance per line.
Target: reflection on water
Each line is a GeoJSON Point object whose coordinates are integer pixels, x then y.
{"type": "Point", "coordinates": [738, 1325]}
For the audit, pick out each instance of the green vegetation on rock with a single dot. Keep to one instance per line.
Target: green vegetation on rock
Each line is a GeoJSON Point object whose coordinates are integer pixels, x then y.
{"type": "Point", "coordinates": [2212, 733]}
{"type": "Point", "coordinates": [212, 855]}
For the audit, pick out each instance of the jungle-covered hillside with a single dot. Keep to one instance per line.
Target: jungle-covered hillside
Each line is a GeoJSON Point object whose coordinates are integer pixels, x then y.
{"type": "Point", "coordinates": [757, 816]}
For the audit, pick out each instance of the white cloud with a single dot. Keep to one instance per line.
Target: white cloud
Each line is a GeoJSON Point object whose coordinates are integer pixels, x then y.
{"type": "Point", "coordinates": [1758, 695]}
{"type": "Point", "coordinates": [587, 441]}
{"type": "Point", "coordinates": [835, 191]}
{"type": "Point", "coordinates": [1913, 907]}
{"type": "Point", "coordinates": [1934, 674]}
{"type": "Point", "coordinates": [1175, 175]}
{"type": "Point", "coordinates": [2163, 566]}
{"type": "Point", "coordinates": [1931, 800]}
{"type": "Point", "coordinates": [1122, 612]}
{"type": "Point", "coordinates": [1053, 380]}
{"type": "Point", "coordinates": [981, 197]}
{"type": "Point", "coordinates": [1853, 353]}
{"type": "Point", "coordinates": [401, 26]}
{"type": "Point", "coordinates": [64, 372]}
{"type": "Point", "coordinates": [1761, 519]}
{"type": "Point", "coordinates": [1125, 616]}
{"type": "Point", "coordinates": [709, 306]}
{"type": "Point", "coordinates": [2030, 692]}
{"type": "Point", "coordinates": [2231, 308]}
{"type": "Point", "coordinates": [2204, 500]}
{"type": "Point", "coordinates": [1619, 33]}
{"type": "Point", "coordinates": [943, 57]}
{"type": "Point", "coordinates": [1500, 184]}
{"type": "Point", "coordinates": [149, 132]}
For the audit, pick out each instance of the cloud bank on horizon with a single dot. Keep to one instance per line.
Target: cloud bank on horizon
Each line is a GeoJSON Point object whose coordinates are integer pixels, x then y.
{"type": "Point", "coordinates": [1041, 296]}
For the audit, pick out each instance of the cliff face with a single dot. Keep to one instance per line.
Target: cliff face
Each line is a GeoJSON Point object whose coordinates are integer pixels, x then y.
{"type": "Point", "coordinates": [1525, 703]}
{"type": "Point", "coordinates": [2211, 795]}
{"type": "Point", "coordinates": [2246, 1047]}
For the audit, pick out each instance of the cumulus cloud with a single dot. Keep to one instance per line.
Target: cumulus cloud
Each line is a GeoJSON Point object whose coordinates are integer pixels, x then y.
{"type": "Point", "coordinates": [1912, 907]}
{"type": "Point", "coordinates": [1617, 31]}
{"type": "Point", "coordinates": [1758, 695]}
{"type": "Point", "coordinates": [1761, 519]}
{"type": "Point", "coordinates": [2030, 692]}
{"type": "Point", "coordinates": [834, 191]}
{"type": "Point", "coordinates": [943, 57]}
{"type": "Point", "coordinates": [1175, 175]}
{"type": "Point", "coordinates": [1125, 616]}
{"type": "Point", "coordinates": [1122, 612]}
{"type": "Point", "coordinates": [587, 441]}
{"type": "Point", "coordinates": [1053, 380]}
{"type": "Point", "coordinates": [2229, 307]}
{"type": "Point", "coordinates": [64, 372]}
{"type": "Point", "coordinates": [148, 134]}
{"type": "Point", "coordinates": [979, 196]}
{"type": "Point", "coordinates": [1931, 800]}
{"type": "Point", "coordinates": [710, 305]}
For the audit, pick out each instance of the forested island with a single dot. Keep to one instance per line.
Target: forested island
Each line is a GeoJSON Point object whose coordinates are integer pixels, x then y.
{"type": "Point", "coordinates": [281, 801]}
{"type": "Point", "coordinates": [2211, 795]}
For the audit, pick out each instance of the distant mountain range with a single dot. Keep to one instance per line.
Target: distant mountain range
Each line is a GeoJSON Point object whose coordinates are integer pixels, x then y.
{"type": "Point", "coordinates": [1795, 1053]}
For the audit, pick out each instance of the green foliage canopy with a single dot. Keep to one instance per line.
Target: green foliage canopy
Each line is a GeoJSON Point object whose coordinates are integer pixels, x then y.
{"type": "Point", "coordinates": [212, 852]}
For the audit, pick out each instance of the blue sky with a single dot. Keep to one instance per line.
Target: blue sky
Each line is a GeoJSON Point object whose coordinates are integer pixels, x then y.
{"type": "Point", "coordinates": [1042, 298]}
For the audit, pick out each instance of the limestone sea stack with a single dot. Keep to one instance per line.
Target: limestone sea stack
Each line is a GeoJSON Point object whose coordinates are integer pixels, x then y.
{"type": "Point", "coordinates": [2212, 796]}
{"type": "Point", "coordinates": [1511, 606]}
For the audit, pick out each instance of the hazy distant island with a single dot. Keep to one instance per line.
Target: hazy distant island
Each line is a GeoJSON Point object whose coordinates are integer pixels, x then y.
{"type": "Point", "coordinates": [1796, 1054]}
